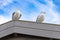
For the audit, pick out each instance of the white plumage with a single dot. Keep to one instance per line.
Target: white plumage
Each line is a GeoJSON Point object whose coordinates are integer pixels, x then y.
{"type": "Point", "coordinates": [16, 15]}
{"type": "Point", "coordinates": [40, 18]}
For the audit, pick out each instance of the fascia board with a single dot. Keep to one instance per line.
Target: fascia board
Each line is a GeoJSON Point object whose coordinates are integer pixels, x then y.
{"type": "Point", "coordinates": [36, 32]}
{"type": "Point", "coordinates": [6, 32]}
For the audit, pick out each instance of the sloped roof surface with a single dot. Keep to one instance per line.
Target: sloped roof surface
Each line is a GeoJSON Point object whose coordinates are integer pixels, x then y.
{"type": "Point", "coordinates": [30, 28]}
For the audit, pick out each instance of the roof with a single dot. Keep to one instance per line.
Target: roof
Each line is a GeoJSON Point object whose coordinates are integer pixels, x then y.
{"type": "Point", "coordinates": [30, 28]}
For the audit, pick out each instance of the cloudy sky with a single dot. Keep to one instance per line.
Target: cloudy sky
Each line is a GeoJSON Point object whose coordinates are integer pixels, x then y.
{"type": "Point", "coordinates": [30, 9]}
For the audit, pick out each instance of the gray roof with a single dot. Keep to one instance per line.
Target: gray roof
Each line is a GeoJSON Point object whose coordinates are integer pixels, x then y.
{"type": "Point", "coordinates": [30, 28]}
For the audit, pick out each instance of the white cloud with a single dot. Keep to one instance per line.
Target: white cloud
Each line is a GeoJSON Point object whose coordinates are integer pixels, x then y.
{"type": "Point", "coordinates": [4, 3]}
{"type": "Point", "coordinates": [3, 19]}
{"type": "Point", "coordinates": [55, 15]}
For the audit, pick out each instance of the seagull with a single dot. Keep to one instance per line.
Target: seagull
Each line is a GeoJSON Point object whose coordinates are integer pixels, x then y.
{"type": "Point", "coordinates": [40, 18]}
{"type": "Point", "coordinates": [16, 15]}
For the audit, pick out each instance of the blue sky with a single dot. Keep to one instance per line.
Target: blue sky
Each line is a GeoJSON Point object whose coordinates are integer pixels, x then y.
{"type": "Point", "coordinates": [30, 9]}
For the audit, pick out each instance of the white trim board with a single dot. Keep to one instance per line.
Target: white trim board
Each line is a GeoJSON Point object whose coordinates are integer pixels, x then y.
{"type": "Point", "coordinates": [30, 28]}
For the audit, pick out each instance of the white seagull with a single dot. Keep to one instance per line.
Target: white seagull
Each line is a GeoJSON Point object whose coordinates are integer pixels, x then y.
{"type": "Point", "coordinates": [40, 18]}
{"type": "Point", "coordinates": [16, 15]}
